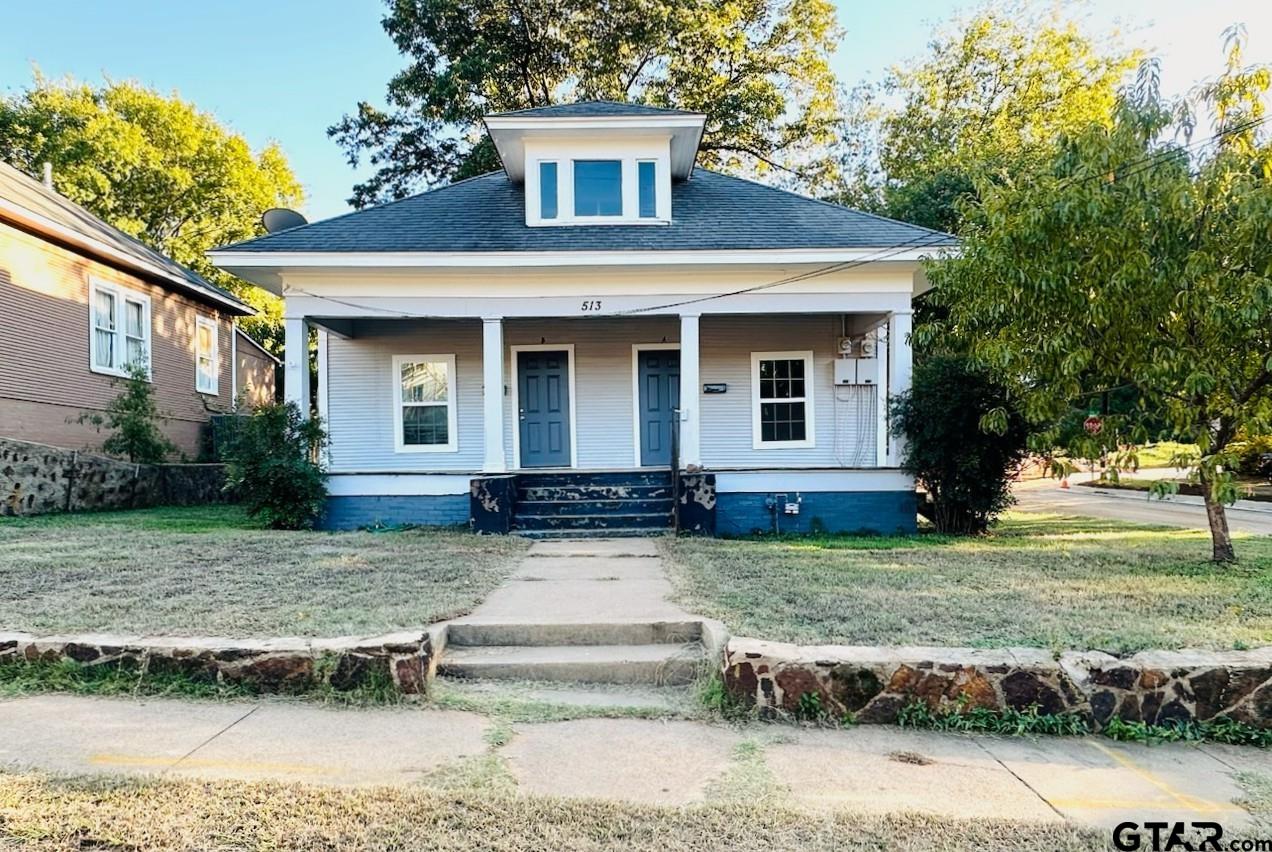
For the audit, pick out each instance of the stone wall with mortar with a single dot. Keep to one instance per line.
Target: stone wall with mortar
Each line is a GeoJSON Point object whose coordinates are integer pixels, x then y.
{"type": "Point", "coordinates": [36, 479]}
{"type": "Point", "coordinates": [875, 683]}
{"type": "Point", "coordinates": [408, 659]}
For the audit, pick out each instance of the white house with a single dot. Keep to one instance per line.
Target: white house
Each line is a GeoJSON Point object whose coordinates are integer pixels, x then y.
{"type": "Point", "coordinates": [522, 349]}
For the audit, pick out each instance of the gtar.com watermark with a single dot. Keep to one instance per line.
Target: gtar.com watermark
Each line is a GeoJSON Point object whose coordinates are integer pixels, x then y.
{"type": "Point", "coordinates": [1183, 837]}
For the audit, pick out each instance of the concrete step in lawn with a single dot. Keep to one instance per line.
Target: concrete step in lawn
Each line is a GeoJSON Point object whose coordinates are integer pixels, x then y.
{"type": "Point", "coordinates": [615, 532]}
{"type": "Point", "coordinates": [661, 664]}
{"type": "Point", "coordinates": [478, 632]}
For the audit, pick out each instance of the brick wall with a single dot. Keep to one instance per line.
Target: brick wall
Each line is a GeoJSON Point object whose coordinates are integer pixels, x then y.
{"type": "Point", "coordinates": [348, 513]}
{"type": "Point", "coordinates": [882, 512]}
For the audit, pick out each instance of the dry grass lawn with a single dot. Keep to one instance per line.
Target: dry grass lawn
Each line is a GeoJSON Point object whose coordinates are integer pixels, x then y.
{"type": "Point", "coordinates": [1038, 580]}
{"type": "Point", "coordinates": [42, 812]}
{"type": "Point", "coordinates": [209, 571]}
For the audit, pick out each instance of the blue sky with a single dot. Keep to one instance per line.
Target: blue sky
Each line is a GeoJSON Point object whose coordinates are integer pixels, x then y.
{"type": "Point", "coordinates": [287, 70]}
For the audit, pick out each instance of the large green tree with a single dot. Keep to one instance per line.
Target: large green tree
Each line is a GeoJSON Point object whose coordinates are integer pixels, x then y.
{"type": "Point", "coordinates": [155, 167]}
{"type": "Point", "coordinates": [1132, 263]}
{"type": "Point", "coordinates": [759, 69]}
{"type": "Point", "coordinates": [989, 98]}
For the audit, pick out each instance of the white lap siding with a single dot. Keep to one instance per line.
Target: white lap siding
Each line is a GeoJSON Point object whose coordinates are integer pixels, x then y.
{"type": "Point", "coordinates": [845, 416]}
{"type": "Point", "coordinates": [361, 408]}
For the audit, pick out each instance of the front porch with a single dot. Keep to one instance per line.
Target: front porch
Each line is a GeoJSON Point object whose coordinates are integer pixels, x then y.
{"type": "Point", "coordinates": [422, 412]}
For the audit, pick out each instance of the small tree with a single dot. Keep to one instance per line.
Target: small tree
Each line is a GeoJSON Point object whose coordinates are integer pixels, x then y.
{"type": "Point", "coordinates": [1129, 263]}
{"type": "Point", "coordinates": [273, 465]}
{"type": "Point", "coordinates": [133, 419]}
{"type": "Point", "coordinates": [964, 468]}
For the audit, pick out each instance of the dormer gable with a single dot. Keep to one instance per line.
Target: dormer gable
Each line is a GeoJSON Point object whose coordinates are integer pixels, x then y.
{"type": "Point", "coordinates": [597, 162]}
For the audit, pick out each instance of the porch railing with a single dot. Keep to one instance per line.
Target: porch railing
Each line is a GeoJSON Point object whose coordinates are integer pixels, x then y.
{"type": "Point", "coordinates": [675, 471]}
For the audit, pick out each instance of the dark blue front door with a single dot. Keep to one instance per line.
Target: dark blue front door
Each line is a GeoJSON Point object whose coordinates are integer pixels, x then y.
{"type": "Point", "coordinates": [543, 393]}
{"type": "Point", "coordinates": [659, 380]}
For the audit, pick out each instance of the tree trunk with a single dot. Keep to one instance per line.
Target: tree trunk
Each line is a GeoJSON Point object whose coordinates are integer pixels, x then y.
{"type": "Point", "coordinates": [1220, 538]}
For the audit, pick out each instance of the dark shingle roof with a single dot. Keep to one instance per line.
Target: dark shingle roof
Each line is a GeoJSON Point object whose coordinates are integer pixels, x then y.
{"type": "Point", "coordinates": [710, 212]}
{"type": "Point", "coordinates": [33, 196]}
{"type": "Point", "coordinates": [591, 109]}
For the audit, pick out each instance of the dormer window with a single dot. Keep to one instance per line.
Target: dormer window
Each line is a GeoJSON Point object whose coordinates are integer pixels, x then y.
{"type": "Point", "coordinates": [647, 185]}
{"type": "Point", "coordinates": [598, 188]}
{"type": "Point", "coordinates": [547, 190]}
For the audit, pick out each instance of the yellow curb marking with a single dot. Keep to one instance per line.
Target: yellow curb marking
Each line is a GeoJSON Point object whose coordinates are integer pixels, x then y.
{"type": "Point", "coordinates": [1191, 803]}
{"type": "Point", "coordinates": [194, 763]}
{"type": "Point", "coordinates": [1131, 804]}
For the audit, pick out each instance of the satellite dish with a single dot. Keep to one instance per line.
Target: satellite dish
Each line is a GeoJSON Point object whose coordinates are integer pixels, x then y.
{"type": "Point", "coordinates": [281, 219]}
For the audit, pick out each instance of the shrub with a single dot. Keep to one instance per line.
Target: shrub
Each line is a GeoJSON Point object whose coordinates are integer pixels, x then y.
{"type": "Point", "coordinates": [272, 465]}
{"type": "Point", "coordinates": [966, 469]}
{"type": "Point", "coordinates": [133, 419]}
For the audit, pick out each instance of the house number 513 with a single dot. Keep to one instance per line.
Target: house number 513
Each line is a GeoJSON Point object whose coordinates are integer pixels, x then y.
{"type": "Point", "coordinates": [591, 305]}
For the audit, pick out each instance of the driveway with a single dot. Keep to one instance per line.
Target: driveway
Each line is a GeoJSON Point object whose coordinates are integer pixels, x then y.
{"type": "Point", "coordinates": [1046, 495]}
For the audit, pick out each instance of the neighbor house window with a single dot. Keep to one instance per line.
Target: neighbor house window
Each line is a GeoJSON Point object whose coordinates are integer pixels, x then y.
{"type": "Point", "coordinates": [119, 320]}
{"type": "Point", "coordinates": [782, 399]}
{"type": "Point", "coordinates": [547, 190]}
{"type": "Point", "coordinates": [646, 181]}
{"type": "Point", "coordinates": [206, 356]}
{"type": "Point", "coordinates": [598, 188]}
{"type": "Point", "coordinates": [424, 398]}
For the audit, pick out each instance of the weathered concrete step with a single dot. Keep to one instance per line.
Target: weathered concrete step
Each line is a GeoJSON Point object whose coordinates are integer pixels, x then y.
{"type": "Point", "coordinates": [646, 532]}
{"type": "Point", "coordinates": [603, 521]}
{"type": "Point", "coordinates": [478, 632]}
{"type": "Point", "coordinates": [594, 507]}
{"type": "Point", "coordinates": [553, 493]}
{"type": "Point", "coordinates": [573, 479]}
{"type": "Point", "coordinates": [649, 664]}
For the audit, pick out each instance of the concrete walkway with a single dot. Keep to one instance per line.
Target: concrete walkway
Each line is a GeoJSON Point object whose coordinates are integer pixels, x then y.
{"type": "Point", "coordinates": [591, 580]}
{"type": "Point", "coordinates": [873, 769]}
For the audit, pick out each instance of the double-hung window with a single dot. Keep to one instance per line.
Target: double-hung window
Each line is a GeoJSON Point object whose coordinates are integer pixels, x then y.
{"type": "Point", "coordinates": [206, 356]}
{"type": "Point", "coordinates": [119, 322]}
{"type": "Point", "coordinates": [424, 403]}
{"type": "Point", "coordinates": [782, 399]}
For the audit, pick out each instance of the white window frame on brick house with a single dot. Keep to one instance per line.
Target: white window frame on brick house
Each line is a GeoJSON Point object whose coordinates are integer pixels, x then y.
{"type": "Point", "coordinates": [207, 382]}
{"type": "Point", "coordinates": [757, 433]}
{"type": "Point", "coordinates": [400, 405]}
{"type": "Point", "coordinates": [116, 325]}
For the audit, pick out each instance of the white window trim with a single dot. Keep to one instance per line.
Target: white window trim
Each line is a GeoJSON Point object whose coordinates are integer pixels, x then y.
{"type": "Point", "coordinates": [121, 294]}
{"type": "Point", "coordinates": [201, 321]}
{"type": "Point", "coordinates": [810, 391]}
{"type": "Point", "coordinates": [630, 183]}
{"type": "Point", "coordinates": [452, 405]}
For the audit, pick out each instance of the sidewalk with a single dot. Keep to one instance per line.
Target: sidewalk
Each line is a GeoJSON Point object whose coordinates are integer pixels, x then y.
{"type": "Point", "coordinates": [1090, 781]}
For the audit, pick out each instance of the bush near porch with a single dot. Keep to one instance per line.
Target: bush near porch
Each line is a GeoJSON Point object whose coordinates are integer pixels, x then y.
{"type": "Point", "coordinates": [1036, 580]}
{"type": "Point", "coordinates": [210, 571]}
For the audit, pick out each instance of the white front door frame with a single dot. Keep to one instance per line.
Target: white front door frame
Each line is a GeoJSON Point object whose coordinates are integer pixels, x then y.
{"type": "Point", "coordinates": [636, 350]}
{"type": "Point", "coordinates": [516, 401]}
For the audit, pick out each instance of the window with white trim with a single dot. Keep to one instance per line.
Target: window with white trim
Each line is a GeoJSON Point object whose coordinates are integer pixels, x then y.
{"type": "Point", "coordinates": [119, 328]}
{"type": "Point", "coordinates": [424, 403]}
{"type": "Point", "coordinates": [782, 399]}
{"type": "Point", "coordinates": [206, 356]}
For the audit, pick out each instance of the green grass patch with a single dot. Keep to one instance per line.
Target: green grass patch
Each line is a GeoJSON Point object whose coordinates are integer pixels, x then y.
{"type": "Point", "coordinates": [1043, 581]}
{"type": "Point", "coordinates": [210, 571]}
{"type": "Point", "coordinates": [1220, 730]}
{"type": "Point", "coordinates": [1009, 722]}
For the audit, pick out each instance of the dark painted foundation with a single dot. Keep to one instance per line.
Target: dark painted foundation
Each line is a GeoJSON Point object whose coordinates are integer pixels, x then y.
{"type": "Point", "coordinates": [880, 512]}
{"type": "Point", "coordinates": [351, 513]}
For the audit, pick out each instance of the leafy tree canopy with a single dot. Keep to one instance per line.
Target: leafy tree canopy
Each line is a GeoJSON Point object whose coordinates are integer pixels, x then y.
{"type": "Point", "coordinates": [759, 69]}
{"type": "Point", "coordinates": [155, 167]}
{"type": "Point", "coordinates": [1131, 262]}
{"type": "Point", "coordinates": [990, 98]}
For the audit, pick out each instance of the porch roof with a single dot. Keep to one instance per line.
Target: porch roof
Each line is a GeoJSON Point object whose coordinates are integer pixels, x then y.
{"type": "Point", "coordinates": [712, 212]}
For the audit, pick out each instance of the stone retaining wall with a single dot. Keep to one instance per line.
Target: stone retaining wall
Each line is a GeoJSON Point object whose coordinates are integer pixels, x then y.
{"type": "Point", "coordinates": [36, 479]}
{"type": "Point", "coordinates": [291, 665]}
{"type": "Point", "coordinates": [874, 684]}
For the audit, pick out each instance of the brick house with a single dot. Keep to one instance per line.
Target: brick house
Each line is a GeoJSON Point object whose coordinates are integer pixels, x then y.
{"type": "Point", "coordinates": [80, 300]}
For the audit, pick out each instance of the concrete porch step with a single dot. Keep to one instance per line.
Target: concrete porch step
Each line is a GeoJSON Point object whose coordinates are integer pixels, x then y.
{"type": "Point", "coordinates": [576, 478]}
{"type": "Point", "coordinates": [478, 632]}
{"type": "Point", "coordinates": [586, 491]}
{"type": "Point", "coordinates": [612, 532]}
{"type": "Point", "coordinates": [660, 665]}
{"type": "Point", "coordinates": [607, 520]}
{"type": "Point", "coordinates": [617, 506]}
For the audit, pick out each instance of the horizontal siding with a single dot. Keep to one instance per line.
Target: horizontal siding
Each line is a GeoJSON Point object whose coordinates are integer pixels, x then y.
{"type": "Point", "coordinates": [846, 416]}
{"type": "Point", "coordinates": [361, 409]}
{"type": "Point", "coordinates": [360, 399]}
{"type": "Point", "coordinates": [44, 335]}
{"type": "Point", "coordinates": [603, 374]}
{"type": "Point", "coordinates": [255, 376]}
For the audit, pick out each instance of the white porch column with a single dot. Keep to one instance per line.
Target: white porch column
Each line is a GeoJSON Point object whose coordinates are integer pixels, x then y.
{"type": "Point", "coordinates": [296, 363]}
{"type": "Point", "coordinates": [900, 365]}
{"type": "Point", "coordinates": [492, 371]}
{"type": "Point", "coordinates": [690, 392]}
